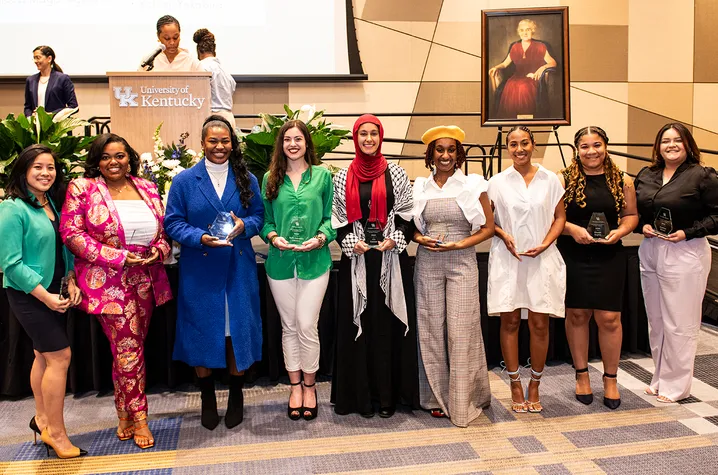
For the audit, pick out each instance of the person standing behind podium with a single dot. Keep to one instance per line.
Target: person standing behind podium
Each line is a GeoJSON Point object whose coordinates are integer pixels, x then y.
{"type": "Point", "coordinates": [173, 58]}
{"type": "Point", "coordinates": [50, 88]}
{"type": "Point", "coordinates": [679, 197]}
{"type": "Point", "coordinates": [222, 83]}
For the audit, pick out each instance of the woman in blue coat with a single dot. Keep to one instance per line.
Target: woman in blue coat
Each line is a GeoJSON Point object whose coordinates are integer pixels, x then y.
{"type": "Point", "coordinates": [218, 318]}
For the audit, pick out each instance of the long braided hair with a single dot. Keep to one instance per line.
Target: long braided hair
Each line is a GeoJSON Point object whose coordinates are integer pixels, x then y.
{"type": "Point", "coordinates": [236, 161]}
{"type": "Point", "coordinates": [575, 176]}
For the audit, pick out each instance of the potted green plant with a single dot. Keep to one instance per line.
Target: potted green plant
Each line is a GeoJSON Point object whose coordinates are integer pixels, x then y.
{"type": "Point", "coordinates": [257, 146]}
{"type": "Point", "coordinates": [46, 128]}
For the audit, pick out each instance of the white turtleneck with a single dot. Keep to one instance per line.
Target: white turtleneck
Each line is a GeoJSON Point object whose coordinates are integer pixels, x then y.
{"type": "Point", "coordinates": [217, 175]}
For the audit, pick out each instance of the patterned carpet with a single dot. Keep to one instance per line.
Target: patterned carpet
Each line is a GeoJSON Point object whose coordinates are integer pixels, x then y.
{"type": "Point", "coordinates": [641, 437]}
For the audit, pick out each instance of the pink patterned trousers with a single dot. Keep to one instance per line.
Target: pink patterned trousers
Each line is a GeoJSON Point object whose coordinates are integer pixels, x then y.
{"type": "Point", "coordinates": [127, 335]}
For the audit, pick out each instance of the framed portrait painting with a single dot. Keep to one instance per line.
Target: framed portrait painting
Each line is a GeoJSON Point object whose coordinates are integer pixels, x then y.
{"type": "Point", "coordinates": [525, 67]}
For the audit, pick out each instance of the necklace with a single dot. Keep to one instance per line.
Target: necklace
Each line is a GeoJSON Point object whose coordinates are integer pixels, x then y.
{"type": "Point", "coordinates": [47, 79]}
{"type": "Point", "coordinates": [217, 177]}
{"type": "Point", "coordinates": [118, 190]}
{"type": "Point", "coordinates": [45, 202]}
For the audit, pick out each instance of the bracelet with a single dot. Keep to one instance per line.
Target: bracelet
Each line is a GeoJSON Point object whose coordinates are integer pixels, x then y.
{"type": "Point", "coordinates": [271, 239]}
{"type": "Point", "coordinates": [322, 239]}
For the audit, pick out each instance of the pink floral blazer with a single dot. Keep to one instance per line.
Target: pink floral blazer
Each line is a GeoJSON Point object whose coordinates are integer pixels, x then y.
{"type": "Point", "coordinates": [90, 227]}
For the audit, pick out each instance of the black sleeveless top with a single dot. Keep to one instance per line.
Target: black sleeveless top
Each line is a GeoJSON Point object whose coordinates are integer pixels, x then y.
{"type": "Point", "coordinates": [598, 199]}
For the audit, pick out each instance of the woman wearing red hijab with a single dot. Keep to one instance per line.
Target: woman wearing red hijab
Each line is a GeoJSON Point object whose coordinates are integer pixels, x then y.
{"type": "Point", "coordinates": [376, 363]}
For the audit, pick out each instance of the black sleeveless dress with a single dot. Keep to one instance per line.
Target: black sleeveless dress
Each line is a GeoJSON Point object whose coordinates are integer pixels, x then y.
{"type": "Point", "coordinates": [595, 273]}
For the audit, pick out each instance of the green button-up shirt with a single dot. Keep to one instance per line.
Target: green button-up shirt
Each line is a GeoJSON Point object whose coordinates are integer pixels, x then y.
{"type": "Point", "coordinates": [311, 202]}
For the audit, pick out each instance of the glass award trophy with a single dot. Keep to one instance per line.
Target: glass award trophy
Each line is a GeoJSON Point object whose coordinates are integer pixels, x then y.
{"type": "Point", "coordinates": [297, 231]}
{"type": "Point", "coordinates": [222, 226]}
{"type": "Point", "coordinates": [663, 224]}
{"type": "Point", "coordinates": [439, 231]}
{"type": "Point", "coordinates": [598, 226]}
{"type": "Point", "coordinates": [372, 234]}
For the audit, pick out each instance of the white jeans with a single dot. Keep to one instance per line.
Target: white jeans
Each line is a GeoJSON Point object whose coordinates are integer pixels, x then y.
{"type": "Point", "coordinates": [674, 278]}
{"type": "Point", "coordinates": [299, 302]}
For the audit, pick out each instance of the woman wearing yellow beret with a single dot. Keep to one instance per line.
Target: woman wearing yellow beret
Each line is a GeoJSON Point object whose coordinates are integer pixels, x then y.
{"type": "Point", "coordinates": [452, 214]}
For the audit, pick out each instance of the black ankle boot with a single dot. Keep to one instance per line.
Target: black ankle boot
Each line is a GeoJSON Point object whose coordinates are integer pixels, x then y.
{"type": "Point", "coordinates": [210, 417]}
{"type": "Point", "coordinates": [235, 402]}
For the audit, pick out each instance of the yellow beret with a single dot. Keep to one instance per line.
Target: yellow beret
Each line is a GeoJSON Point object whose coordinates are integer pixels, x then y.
{"type": "Point", "coordinates": [443, 131]}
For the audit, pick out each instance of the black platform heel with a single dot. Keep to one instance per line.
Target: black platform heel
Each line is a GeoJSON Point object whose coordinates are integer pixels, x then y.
{"type": "Point", "coordinates": [583, 398]}
{"type": "Point", "coordinates": [294, 413]}
{"type": "Point", "coordinates": [608, 402]}
{"type": "Point", "coordinates": [313, 411]}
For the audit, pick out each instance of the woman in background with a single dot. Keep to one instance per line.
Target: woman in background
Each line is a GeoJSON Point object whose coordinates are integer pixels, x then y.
{"type": "Point", "coordinates": [222, 83]}
{"type": "Point", "coordinates": [34, 262]}
{"type": "Point", "coordinates": [297, 223]}
{"type": "Point", "coordinates": [112, 222]}
{"type": "Point", "coordinates": [376, 340]}
{"type": "Point", "coordinates": [595, 266]}
{"type": "Point", "coordinates": [50, 87]}
{"type": "Point", "coordinates": [678, 208]}
{"type": "Point", "coordinates": [173, 58]}
{"type": "Point", "coordinates": [452, 215]}
{"type": "Point", "coordinates": [526, 271]}
{"type": "Point", "coordinates": [218, 318]}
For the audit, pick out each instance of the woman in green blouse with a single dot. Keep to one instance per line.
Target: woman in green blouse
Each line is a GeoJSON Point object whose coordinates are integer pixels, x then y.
{"type": "Point", "coordinates": [297, 224]}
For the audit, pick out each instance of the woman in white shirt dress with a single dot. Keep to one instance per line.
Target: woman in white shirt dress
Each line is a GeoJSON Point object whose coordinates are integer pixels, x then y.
{"type": "Point", "coordinates": [527, 275]}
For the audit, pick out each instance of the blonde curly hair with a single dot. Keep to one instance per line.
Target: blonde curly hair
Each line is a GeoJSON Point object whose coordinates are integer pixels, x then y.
{"type": "Point", "coordinates": [575, 177]}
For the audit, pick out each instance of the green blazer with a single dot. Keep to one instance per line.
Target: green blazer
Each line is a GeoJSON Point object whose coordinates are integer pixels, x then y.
{"type": "Point", "coordinates": [27, 246]}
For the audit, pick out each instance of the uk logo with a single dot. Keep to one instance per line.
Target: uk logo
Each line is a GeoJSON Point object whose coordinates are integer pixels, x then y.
{"type": "Point", "coordinates": [126, 96]}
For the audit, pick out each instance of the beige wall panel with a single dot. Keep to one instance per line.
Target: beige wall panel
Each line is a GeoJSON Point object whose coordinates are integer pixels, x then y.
{"type": "Point", "coordinates": [642, 128]}
{"type": "Point", "coordinates": [256, 98]}
{"type": "Point", "coordinates": [356, 97]}
{"type": "Point", "coordinates": [470, 10]}
{"type": "Point", "coordinates": [707, 140]}
{"type": "Point", "coordinates": [705, 106]}
{"type": "Point", "coordinates": [597, 12]}
{"type": "Point", "coordinates": [446, 64]}
{"type": "Point", "coordinates": [401, 10]}
{"type": "Point", "coordinates": [599, 53]}
{"type": "Point", "coordinates": [12, 99]}
{"type": "Point", "coordinates": [422, 29]}
{"type": "Point", "coordinates": [93, 99]}
{"type": "Point", "coordinates": [611, 91]}
{"type": "Point", "coordinates": [464, 36]}
{"type": "Point", "coordinates": [358, 7]}
{"type": "Point", "coordinates": [660, 40]}
{"type": "Point", "coordinates": [706, 37]}
{"type": "Point", "coordinates": [666, 99]}
{"type": "Point", "coordinates": [449, 97]}
{"type": "Point", "coordinates": [391, 56]}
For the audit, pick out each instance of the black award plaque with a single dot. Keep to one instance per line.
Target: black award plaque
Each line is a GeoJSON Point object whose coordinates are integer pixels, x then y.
{"type": "Point", "coordinates": [663, 224]}
{"type": "Point", "coordinates": [598, 226]}
{"type": "Point", "coordinates": [372, 234]}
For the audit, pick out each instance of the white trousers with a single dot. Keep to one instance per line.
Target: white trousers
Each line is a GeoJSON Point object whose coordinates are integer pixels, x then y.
{"type": "Point", "coordinates": [299, 302]}
{"type": "Point", "coordinates": [674, 278]}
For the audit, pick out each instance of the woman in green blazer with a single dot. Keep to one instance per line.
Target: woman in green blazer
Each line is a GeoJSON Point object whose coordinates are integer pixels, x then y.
{"type": "Point", "coordinates": [35, 267]}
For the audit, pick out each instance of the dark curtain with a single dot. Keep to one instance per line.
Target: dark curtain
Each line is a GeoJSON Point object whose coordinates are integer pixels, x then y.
{"type": "Point", "coordinates": [90, 369]}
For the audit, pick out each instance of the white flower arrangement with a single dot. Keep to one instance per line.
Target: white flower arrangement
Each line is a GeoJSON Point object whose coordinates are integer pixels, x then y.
{"type": "Point", "coordinates": [167, 161]}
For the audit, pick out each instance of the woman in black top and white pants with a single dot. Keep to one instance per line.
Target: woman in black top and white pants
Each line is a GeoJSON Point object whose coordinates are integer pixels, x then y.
{"type": "Point", "coordinates": [678, 207]}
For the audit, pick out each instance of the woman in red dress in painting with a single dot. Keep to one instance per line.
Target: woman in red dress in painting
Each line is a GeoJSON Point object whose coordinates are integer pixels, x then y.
{"type": "Point", "coordinates": [531, 58]}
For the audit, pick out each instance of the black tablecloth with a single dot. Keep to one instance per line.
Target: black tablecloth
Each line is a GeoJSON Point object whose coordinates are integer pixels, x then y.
{"type": "Point", "coordinates": [90, 369]}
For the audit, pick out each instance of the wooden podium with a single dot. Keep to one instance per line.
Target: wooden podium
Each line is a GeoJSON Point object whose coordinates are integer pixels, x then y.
{"type": "Point", "coordinates": [140, 100]}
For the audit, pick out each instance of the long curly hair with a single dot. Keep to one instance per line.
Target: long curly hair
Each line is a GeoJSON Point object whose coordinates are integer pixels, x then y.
{"type": "Point", "coordinates": [429, 157]}
{"type": "Point", "coordinates": [575, 176]}
{"type": "Point", "coordinates": [236, 160]}
{"type": "Point", "coordinates": [693, 153]}
{"type": "Point", "coordinates": [278, 165]}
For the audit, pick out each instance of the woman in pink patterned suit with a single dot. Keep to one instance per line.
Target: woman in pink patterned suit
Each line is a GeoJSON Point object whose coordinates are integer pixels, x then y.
{"type": "Point", "coordinates": [112, 222]}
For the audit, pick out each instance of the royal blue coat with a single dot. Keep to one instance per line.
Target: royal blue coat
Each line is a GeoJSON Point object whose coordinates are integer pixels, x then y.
{"type": "Point", "coordinates": [207, 274]}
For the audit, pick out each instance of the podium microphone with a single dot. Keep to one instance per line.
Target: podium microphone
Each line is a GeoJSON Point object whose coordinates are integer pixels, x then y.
{"type": "Point", "coordinates": [150, 58]}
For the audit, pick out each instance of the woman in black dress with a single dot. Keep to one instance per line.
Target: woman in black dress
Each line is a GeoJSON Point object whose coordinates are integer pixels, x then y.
{"type": "Point", "coordinates": [376, 359]}
{"type": "Point", "coordinates": [600, 209]}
